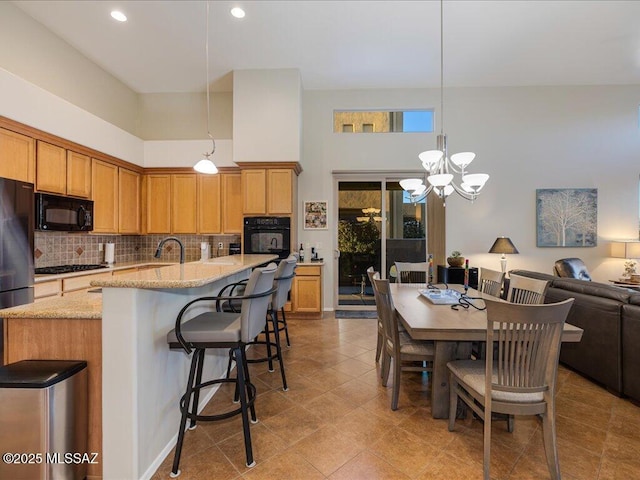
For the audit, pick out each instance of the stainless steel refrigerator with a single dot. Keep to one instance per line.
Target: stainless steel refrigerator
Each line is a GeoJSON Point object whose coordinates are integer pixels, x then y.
{"type": "Point", "coordinates": [16, 246]}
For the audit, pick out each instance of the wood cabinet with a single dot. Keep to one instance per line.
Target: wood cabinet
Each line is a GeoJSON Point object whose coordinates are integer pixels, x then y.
{"type": "Point", "coordinates": [62, 171]}
{"type": "Point", "coordinates": [128, 201]}
{"type": "Point", "coordinates": [209, 204]}
{"type": "Point", "coordinates": [78, 174]}
{"type": "Point", "coordinates": [268, 191]}
{"type": "Point", "coordinates": [280, 191]}
{"type": "Point", "coordinates": [232, 220]}
{"type": "Point", "coordinates": [48, 289]}
{"type": "Point", "coordinates": [184, 200]}
{"type": "Point", "coordinates": [158, 203]}
{"type": "Point", "coordinates": [104, 185]}
{"type": "Point", "coordinates": [306, 291]}
{"type": "Point", "coordinates": [18, 156]}
{"type": "Point", "coordinates": [51, 168]}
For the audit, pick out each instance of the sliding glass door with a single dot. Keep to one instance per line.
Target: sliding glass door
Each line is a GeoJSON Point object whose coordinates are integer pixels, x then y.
{"type": "Point", "coordinates": [377, 225]}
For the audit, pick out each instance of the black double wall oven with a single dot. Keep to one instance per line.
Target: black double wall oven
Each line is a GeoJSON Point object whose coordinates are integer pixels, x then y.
{"type": "Point", "coordinates": [268, 235]}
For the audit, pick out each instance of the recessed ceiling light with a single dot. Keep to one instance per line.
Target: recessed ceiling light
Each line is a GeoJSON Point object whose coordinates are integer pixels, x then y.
{"type": "Point", "coordinates": [237, 12]}
{"type": "Point", "coordinates": [119, 16]}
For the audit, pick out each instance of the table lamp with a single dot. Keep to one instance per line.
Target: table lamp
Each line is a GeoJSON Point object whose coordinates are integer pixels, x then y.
{"type": "Point", "coordinates": [503, 245]}
{"type": "Point", "coordinates": [629, 250]}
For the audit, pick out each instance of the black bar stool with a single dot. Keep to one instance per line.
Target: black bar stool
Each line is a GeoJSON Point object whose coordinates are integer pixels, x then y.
{"type": "Point", "coordinates": [217, 329]}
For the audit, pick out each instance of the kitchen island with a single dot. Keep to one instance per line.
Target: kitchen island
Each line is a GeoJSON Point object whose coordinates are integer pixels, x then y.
{"type": "Point", "coordinates": [137, 379]}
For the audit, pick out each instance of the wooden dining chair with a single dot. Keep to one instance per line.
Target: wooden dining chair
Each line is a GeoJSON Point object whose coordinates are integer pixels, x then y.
{"type": "Point", "coordinates": [411, 272]}
{"type": "Point", "coordinates": [525, 290]}
{"type": "Point", "coordinates": [405, 353]}
{"type": "Point", "coordinates": [490, 282]}
{"type": "Point", "coordinates": [372, 274]}
{"type": "Point", "coordinates": [522, 378]}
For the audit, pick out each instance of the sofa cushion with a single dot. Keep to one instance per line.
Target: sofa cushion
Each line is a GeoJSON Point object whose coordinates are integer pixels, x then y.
{"type": "Point", "coordinates": [634, 299]}
{"type": "Point", "coordinates": [593, 288]}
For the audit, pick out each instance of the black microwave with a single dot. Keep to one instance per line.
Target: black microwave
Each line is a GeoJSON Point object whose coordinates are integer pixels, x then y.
{"type": "Point", "coordinates": [63, 214]}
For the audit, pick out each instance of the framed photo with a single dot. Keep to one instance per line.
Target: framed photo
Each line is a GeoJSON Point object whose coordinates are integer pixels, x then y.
{"type": "Point", "coordinates": [567, 217]}
{"type": "Point", "coordinates": [315, 216]}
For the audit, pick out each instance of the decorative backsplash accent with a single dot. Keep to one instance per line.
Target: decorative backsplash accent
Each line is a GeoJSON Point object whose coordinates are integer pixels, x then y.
{"type": "Point", "coordinates": [60, 248]}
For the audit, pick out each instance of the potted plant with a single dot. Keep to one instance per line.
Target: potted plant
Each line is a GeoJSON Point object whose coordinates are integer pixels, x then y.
{"type": "Point", "coordinates": [455, 259]}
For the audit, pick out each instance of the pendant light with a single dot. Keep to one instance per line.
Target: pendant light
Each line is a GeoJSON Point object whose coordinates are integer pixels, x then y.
{"type": "Point", "coordinates": [206, 165]}
{"type": "Point", "coordinates": [437, 163]}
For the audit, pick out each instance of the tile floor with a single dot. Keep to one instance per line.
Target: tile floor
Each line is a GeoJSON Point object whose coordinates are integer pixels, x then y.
{"type": "Point", "coordinates": [335, 422]}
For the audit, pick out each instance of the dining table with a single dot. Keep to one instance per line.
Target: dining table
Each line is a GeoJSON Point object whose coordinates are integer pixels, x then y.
{"type": "Point", "coordinates": [451, 330]}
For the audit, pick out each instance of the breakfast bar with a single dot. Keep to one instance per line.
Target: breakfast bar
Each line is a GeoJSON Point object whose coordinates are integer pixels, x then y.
{"type": "Point", "coordinates": [135, 381]}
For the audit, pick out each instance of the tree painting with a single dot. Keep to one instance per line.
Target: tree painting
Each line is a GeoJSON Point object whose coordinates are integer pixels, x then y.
{"type": "Point", "coordinates": [567, 217]}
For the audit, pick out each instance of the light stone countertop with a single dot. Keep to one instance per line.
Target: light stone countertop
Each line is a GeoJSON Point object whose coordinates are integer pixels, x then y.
{"type": "Point", "coordinates": [80, 305]}
{"type": "Point", "coordinates": [108, 268]}
{"type": "Point", "coordinates": [187, 275]}
{"type": "Point", "coordinates": [89, 304]}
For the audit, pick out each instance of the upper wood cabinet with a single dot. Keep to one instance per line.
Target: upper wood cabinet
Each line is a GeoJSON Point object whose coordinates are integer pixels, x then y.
{"type": "Point", "coordinates": [104, 186]}
{"type": "Point", "coordinates": [268, 191]}
{"type": "Point", "coordinates": [51, 168]}
{"type": "Point", "coordinates": [128, 201]}
{"type": "Point", "coordinates": [18, 156]}
{"type": "Point", "coordinates": [232, 220]}
{"type": "Point", "coordinates": [158, 203]}
{"type": "Point", "coordinates": [78, 174]}
{"type": "Point", "coordinates": [209, 204]}
{"type": "Point", "coordinates": [184, 200]}
{"type": "Point", "coordinates": [62, 171]}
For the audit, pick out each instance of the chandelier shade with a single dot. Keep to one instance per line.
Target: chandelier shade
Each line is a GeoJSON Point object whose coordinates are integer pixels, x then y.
{"type": "Point", "coordinates": [439, 166]}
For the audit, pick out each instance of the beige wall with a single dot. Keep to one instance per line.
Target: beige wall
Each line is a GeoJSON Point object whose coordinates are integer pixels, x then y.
{"type": "Point", "coordinates": [183, 116]}
{"type": "Point", "coordinates": [33, 53]}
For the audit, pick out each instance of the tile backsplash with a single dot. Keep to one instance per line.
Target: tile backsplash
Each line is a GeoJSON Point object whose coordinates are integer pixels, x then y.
{"type": "Point", "coordinates": [59, 248]}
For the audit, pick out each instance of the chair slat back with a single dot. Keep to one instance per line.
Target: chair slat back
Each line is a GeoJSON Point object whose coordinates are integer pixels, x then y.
{"type": "Point", "coordinates": [412, 272]}
{"type": "Point", "coordinates": [373, 275]}
{"type": "Point", "coordinates": [387, 313]}
{"type": "Point", "coordinates": [525, 290]}
{"type": "Point", "coordinates": [528, 345]}
{"type": "Point", "coordinates": [254, 310]}
{"type": "Point", "coordinates": [283, 280]}
{"type": "Point", "coordinates": [490, 282]}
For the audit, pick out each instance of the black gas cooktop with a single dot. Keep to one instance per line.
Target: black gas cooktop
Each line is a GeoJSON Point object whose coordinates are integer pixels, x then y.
{"type": "Point", "coordinates": [66, 269]}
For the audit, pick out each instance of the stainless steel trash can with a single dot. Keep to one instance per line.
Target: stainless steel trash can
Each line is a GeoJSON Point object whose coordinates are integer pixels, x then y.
{"type": "Point", "coordinates": [43, 420]}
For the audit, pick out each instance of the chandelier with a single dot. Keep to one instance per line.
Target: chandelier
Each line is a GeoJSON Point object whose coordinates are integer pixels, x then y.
{"type": "Point", "coordinates": [206, 165]}
{"type": "Point", "coordinates": [440, 167]}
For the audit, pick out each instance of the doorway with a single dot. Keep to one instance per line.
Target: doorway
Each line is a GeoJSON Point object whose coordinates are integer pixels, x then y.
{"type": "Point", "coordinates": [377, 226]}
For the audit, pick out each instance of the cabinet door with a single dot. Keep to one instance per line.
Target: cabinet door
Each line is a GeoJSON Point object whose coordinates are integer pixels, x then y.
{"type": "Point", "coordinates": [184, 203]}
{"type": "Point", "coordinates": [51, 168]}
{"type": "Point", "coordinates": [18, 156]}
{"type": "Point", "coordinates": [209, 204]}
{"type": "Point", "coordinates": [231, 203]}
{"type": "Point", "coordinates": [306, 294]}
{"type": "Point", "coordinates": [158, 203]}
{"type": "Point", "coordinates": [78, 175]}
{"type": "Point", "coordinates": [279, 191]}
{"type": "Point", "coordinates": [128, 201]}
{"type": "Point", "coordinates": [254, 191]}
{"type": "Point", "coordinates": [104, 186]}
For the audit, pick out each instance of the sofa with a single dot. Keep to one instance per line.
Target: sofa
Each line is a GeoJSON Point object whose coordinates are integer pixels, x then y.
{"type": "Point", "coordinates": [609, 352]}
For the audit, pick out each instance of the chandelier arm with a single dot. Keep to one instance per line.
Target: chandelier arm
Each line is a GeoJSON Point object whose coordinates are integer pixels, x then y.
{"type": "Point", "coordinates": [464, 194]}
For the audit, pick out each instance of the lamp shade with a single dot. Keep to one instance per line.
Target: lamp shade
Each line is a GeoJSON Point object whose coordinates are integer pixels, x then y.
{"type": "Point", "coordinates": [629, 249]}
{"type": "Point", "coordinates": [503, 245]}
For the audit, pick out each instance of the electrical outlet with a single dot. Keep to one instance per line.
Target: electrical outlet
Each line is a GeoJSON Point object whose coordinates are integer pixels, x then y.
{"type": "Point", "coordinates": [220, 245]}
{"type": "Point", "coordinates": [100, 247]}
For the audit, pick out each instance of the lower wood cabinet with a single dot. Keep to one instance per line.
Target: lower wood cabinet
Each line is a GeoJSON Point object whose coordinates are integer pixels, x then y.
{"type": "Point", "coordinates": [306, 291]}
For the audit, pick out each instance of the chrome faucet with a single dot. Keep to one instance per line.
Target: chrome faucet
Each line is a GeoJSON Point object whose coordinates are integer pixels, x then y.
{"type": "Point", "coordinates": [163, 241]}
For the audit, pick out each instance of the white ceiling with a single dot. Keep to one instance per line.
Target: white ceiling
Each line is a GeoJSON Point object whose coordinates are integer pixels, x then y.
{"type": "Point", "coordinates": [355, 44]}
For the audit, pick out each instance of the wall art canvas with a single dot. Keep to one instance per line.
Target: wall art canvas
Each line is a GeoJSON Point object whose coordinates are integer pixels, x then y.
{"type": "Point", "coordinates": [567, 217]}
{"type": "Point", "coordinates": [315, 216]}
